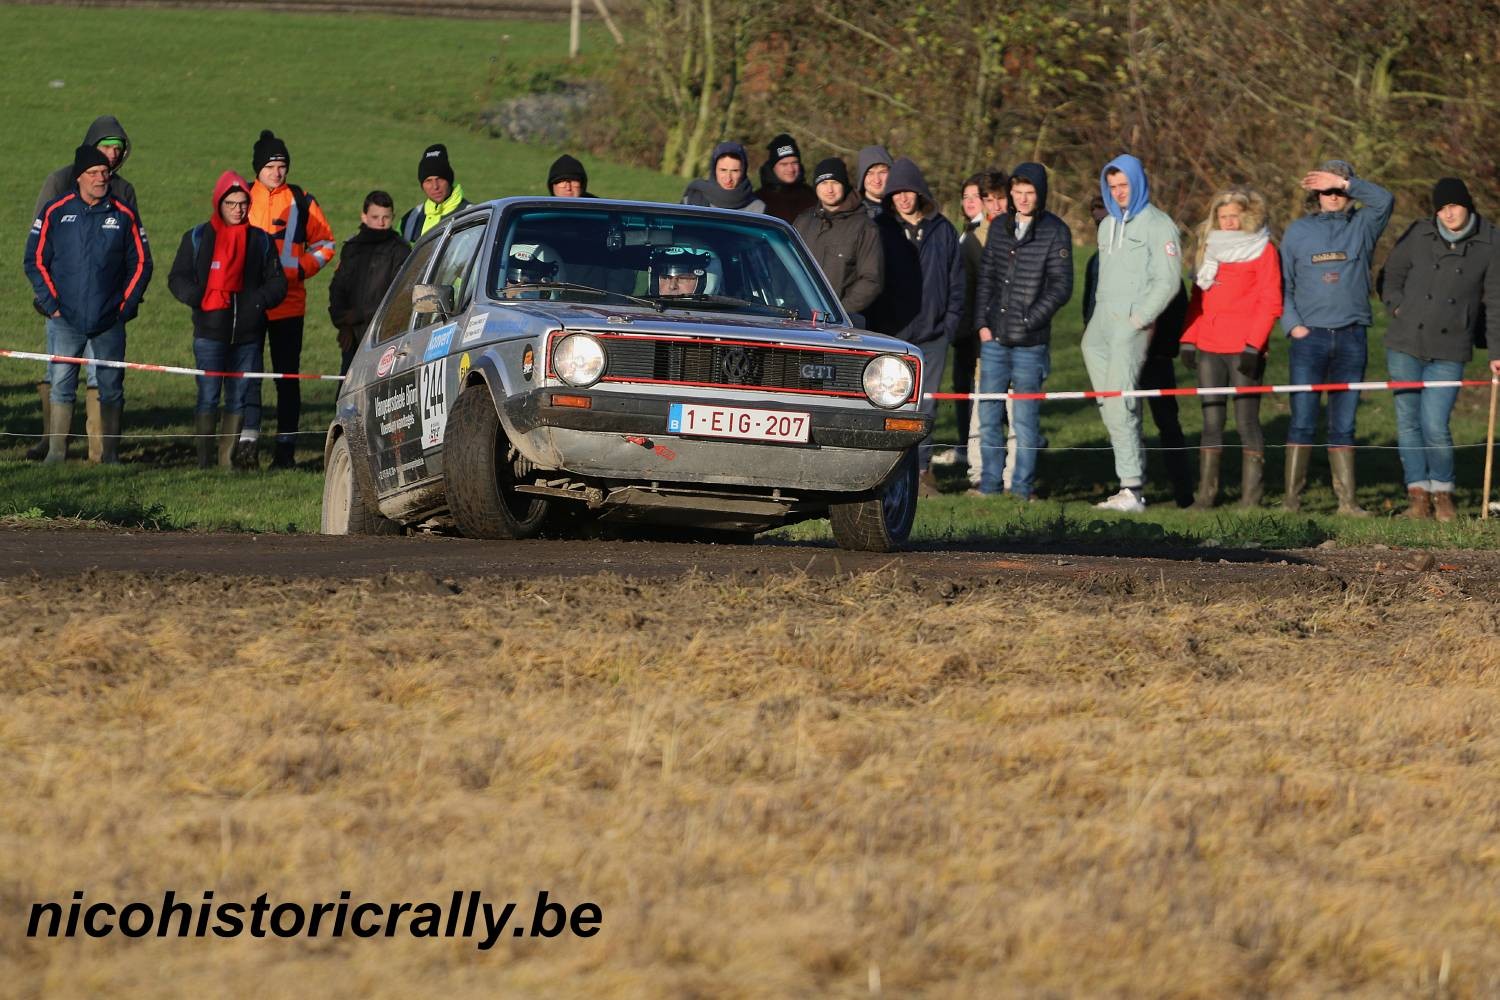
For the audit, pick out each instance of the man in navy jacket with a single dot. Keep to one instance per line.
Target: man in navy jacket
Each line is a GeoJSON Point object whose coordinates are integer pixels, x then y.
{"type": "Point", "coordinates": [89, 266]}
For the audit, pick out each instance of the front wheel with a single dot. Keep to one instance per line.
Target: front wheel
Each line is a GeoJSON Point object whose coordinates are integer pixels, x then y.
{"type": "Point", "coordinates": [884, 523]}
{"type": "Point", "coordinates": [344, 511]}
{"type": "Point", "coordinates": [480, 466]}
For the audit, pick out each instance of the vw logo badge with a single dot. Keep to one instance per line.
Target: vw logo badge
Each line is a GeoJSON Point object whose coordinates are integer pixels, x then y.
{"type": "Point", "coordinates": [740, 366]}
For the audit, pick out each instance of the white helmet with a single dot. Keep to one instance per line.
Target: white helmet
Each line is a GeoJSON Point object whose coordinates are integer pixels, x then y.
{"type": "Point", "coordinates": [533, 264]}
{"type": "Point", "coordinates": [684, 259]}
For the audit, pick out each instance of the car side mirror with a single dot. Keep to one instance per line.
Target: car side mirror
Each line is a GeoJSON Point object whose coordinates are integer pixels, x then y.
{"type": "Point", "coordinates": [433, 299]}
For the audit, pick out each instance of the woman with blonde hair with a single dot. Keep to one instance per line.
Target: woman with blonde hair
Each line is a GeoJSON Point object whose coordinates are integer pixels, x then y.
{"type": "Point", "coordinates": [1236, 300]}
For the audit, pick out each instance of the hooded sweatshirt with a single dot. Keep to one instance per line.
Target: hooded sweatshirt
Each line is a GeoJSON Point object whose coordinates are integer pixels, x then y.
{"type": "Point", "coordinates": [867, 158]}
{"type": "Point", "coordinates": [1026, 274]}
{"type": "Point", "coordinates": [928, 271]}
{"type": "Point", "coordinates": [1325, 261]}
{"type": "Point", "coordinates": [60, 181]}
{"type": "Point", "coordinates": [568, 168]}
{"type": "Point", "coordinates": [1140, 256]}
{"type": "Point", "coordinates": [249, 289]}
{"type": "Point", "coordinates": [706, 191]}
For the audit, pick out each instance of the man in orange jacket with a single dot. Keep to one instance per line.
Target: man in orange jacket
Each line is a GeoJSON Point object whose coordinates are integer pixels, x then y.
{"type": "Point", "coordinates": [304, 245]}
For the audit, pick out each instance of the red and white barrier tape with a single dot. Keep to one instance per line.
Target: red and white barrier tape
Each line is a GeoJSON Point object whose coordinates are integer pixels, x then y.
{"type": "Point", "coordinates": [170, 369]}
{"type": "Point", "coordinates": [1221, 390]}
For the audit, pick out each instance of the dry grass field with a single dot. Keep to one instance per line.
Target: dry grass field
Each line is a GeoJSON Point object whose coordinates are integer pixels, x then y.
{"type": "Point", "coordinates": [773, 785]}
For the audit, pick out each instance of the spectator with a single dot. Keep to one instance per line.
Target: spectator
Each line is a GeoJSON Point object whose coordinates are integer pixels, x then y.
{"type": "Point", "coordinates": [304, 245]}
{"type": "Point", "coordinates": [89, 266]}
{"type": "Point", "coordinates": [226, 271]}
{"type": "Point", "coordinates": [1440, 284]}
{"type": "Point", "coordinates": [939, 279]}
{"type": "Point", "coordinates": [367, 266]}
{"type": "Point", "coordinates": [1139, 275]}
{"type": "Point", "coordinates": [727, 185]}
{"type": "Point", "coordinates": [994, 196]}
{"type": "Point", "coordinates": [782, 185]}
{"type": "Point", "coordinates": [1025, 277]}
{"type": "Point", "coordinates": [109, 137]}
{"type": "Point", "coordinates": [873, 168]}
{"type": "Point", "coordinates": [567, 178]}
{"type": "Point", "coordinates": [843, 240]}
{"type": "Point", "coordinates": [1236, 300]}
{"type": "Point", "coordinates": [1325, 279]}
{"type": "Point", "coordinates": [444, 197]}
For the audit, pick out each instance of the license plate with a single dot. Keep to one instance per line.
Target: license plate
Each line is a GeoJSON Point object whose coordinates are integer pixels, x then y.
{"type": "Point", "coordinates": [737, 422]}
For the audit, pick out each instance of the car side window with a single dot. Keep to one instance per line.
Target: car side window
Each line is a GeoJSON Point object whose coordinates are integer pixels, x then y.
{"type": "Point", "coordinates": [454, 266]}
{"type": "Point", "coordinates": [396, 319]}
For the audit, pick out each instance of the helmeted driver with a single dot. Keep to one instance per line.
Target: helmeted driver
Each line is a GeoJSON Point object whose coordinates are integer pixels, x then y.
{"type": "Point", "coordinates": [683, 270]}
{"type": "Point", "coordinates": [532, 264]}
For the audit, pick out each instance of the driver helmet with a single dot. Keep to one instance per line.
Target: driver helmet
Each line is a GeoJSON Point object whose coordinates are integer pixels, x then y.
{"type": "Point", "coordinates": [679, 260]}
{"type": "Point", "coordinates": [532, 264]}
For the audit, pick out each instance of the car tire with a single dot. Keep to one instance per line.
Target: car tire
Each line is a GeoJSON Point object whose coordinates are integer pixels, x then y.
{"type": "Point", "coordinates": [479, 465]}
{"type": "Point", "coordinates": [344, 510]}
{"type": "Point", "coordinates": [884, 523]}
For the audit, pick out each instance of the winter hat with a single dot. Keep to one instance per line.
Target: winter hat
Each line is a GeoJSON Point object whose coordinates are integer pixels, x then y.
{"type": "Point", "coordinates": [831, 169]}
{"type": "Point", "coordinates": [269, 149]}
{"type": "Point", "coordinates": [566, 168]}
{"type": "Point", "coordinates": [1451, 191]}
{"type": "Point", "coordinates": [87, 157]}
{"type": "Point", "coordinates": [434, 163]}
{"type": "Point", "coordinates": [780, 148]}
{"type": "Point", "coordinates": [111, 140]}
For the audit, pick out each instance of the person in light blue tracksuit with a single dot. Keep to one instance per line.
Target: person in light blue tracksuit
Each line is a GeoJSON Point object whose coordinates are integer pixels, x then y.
{"type": "Point", "coordinates": [1325, 282]}
{"type": "Point", "coordinates": [1140, 272]}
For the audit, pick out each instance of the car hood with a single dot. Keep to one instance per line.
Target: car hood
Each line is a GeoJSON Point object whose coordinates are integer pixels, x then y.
{"type": "Point", "coordinates": [689, 323]}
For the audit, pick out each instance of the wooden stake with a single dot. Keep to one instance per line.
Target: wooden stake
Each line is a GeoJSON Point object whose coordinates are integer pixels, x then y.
{"type": "Point", "coordinates": [609, 22]}
{"type": "Point", "coordinates": [573, 19]}
{"type": "Point", "coordinates": [1489, 448]}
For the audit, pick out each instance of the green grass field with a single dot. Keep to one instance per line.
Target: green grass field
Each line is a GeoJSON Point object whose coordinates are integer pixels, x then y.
{"type": "Point", "coordinates": [357, 98]}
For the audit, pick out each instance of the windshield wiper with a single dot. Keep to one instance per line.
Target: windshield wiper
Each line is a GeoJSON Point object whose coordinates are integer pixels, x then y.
{"type": "Point", "coordinates": [567, 286]}
{"type": "Point", "coordinates": [723, 300]}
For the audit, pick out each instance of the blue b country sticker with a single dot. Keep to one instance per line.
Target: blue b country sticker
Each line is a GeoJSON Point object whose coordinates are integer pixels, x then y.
{"type": "Point", "coordinates": [437, 347]}
{"type": "Point", "coordinates": [474, 330]}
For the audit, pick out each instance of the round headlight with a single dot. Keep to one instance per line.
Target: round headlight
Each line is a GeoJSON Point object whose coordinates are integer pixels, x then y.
{"type": "Point", "coordinates": [578, 359]}
{"type": "Point", "coordinates": [888, 381]}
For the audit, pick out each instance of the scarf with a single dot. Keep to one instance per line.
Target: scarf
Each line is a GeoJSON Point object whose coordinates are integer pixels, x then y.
{"type": "Point", "coordinates": [1450, 236]}
{"type": "Point", "coordinates": [740, 196]}
{"type": "Point", "coordinates": [1224, 246]}
{"type": "Point", "coordinates": [433, 212]}
{"type": "Point", "coordinates": [226, 272]}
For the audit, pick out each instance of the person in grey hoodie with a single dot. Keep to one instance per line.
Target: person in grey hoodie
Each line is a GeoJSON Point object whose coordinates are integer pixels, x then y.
{"type": "Point", "coordinates": [109, 137]}
{"type": "Point", "coordinates": [911, 210]}
{"type": "Point", "coordinates": [872, 169]}
{"type": "Point", "coordinates": [1325, 288]}
{"type": "Point", "coordinates": [727, 184]}
{"type": "Point", "coordinates": [1140, 273]}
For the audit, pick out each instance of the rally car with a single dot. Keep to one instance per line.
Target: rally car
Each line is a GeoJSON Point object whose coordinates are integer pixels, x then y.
{"type": "Point", "coordinates": [547, 360]}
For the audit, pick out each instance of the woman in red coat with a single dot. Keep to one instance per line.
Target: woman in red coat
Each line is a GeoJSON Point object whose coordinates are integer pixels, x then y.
{"type": "Point", "coordinates": [1236, 300]}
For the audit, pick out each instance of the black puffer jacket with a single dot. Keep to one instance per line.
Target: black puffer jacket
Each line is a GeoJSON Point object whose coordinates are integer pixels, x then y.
{"type": "Point", "coordinates": [265, 285]}
{"type": "Point", "coordinates": [368, 264]}
{"type": "Point", "coordinates": [1439, 293]}
{"type": "Point", "coordinates": [1024, 280]}
{"type": "Point", "coordinates": [846, 245]}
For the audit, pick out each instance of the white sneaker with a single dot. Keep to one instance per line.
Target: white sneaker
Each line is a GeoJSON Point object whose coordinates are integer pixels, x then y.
{"type": "Point", "coordinates": [948, 456]}
{"type": "Point", "coordinates": [1127, 501]}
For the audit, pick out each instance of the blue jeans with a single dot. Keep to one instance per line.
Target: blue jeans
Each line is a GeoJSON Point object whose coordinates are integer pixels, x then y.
{"type": "Point", "coordinates": [1010, 369]}
{"type": "Point", "coordinates": [107, 346]}
{"type": "Point", "coordinates": [1326, 355]}
{"type": "Point", "coordinates": [934, 360]}
{"type": "Point", "coordinates": [1422, 420]}
{"type": "Point", "coordinates": [217, 356]}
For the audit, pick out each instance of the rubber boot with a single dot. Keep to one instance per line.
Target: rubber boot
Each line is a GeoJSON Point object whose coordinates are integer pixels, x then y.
{"type": "Point", "coordinates": [203, 437]}
{"type": "Point", "coordinates": [1252, 478]}
{"type": "Point", "coordinates": [1297, 458]}
{"type": "Point", "coordinates": [1341, 466]}
{"type": "Point", "coordinates": [1418, 504]}
{"type": "Point", "coordinates": [1442, 506]}
{"type": "Point", "coordinates": [59, 424]}
{"type": "Point", "coordinates": [38, 451]}
{"type": "Point", "coordinates": [109, 433]}
{"type": "Point", "coordinates": [285, 456]}
{"type": "Point", "coordinates": [229, 435]}
{"type": "Point", "coordinates": [92, 424]}
{"type": "Point", "coordinates": [1208, 478]}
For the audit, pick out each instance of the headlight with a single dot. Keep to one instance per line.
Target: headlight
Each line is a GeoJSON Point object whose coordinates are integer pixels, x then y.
{"type": "Point", "coordinates": [888, 381]}
{"type": "Point", "coordinates": [578, 359]}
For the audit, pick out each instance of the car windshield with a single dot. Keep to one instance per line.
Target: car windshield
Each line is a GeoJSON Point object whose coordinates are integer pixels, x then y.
{"type": "Point", "coordinates": [667, 259]}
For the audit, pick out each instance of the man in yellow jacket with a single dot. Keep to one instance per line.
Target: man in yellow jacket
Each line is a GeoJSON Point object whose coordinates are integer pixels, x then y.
{"type": "Point", "coordinates": [304, 245]}
{"type": "Point", "coordinates": [444, 195]}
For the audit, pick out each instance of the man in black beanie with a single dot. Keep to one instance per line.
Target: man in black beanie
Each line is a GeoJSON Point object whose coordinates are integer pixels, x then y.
{"type": "Point", "coordinates": [782, 185]}
{"type": "Point", "coordinates": [567, 178]}
{"type": "Point", "coordinates": [843, 239]}
{"type": "Point", "coordinates": [444, 197]}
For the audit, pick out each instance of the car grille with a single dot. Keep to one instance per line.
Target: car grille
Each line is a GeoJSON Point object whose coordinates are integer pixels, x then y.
{"type": "Point", "coordinates": [734, 364]}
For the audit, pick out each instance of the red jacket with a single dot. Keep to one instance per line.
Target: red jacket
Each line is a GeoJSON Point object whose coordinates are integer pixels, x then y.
{"type": "Point", "coordinates": [1237, 313]}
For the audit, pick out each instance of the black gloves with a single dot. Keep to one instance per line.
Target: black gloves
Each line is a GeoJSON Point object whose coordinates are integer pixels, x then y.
{"type": "Point", "coordinates": [1189, 356]}
{"type": "Point", "coordinates": [1250, 363]}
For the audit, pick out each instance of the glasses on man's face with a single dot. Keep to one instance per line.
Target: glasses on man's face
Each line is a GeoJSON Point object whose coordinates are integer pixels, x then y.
{"type": "Point", "coordinates": [240, 205]}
